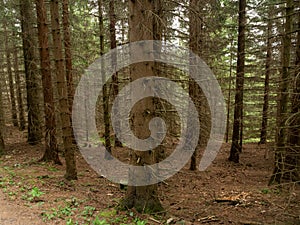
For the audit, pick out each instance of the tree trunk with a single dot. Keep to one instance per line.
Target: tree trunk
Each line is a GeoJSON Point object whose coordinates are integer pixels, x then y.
{"type": "Point", "coordinates": [2, 143]}
{"type": "Point", "coordinates": [113, 45]}
{"type": "Point", "coordinates": [68, 53]}
{"type": "Point", "coordinates": [141, 26]}
{"type": "Point", "coordinates": [19, 91]}
{"type": "Point", "coordinates": [68, 58]}
{"type": "Point", "coordinates": [51, 148]}
{"type": "Point", "coordinates": [264, 123]}
{"type": "Point", "coordinates": [195, 44]}
{"type": "Point", "coordinates": [10, 78]}
{"type": "Point", "coordinates": [292, 159]}
{"type": "Point", "coordinates": [32, 82]}
{"type": "Point", "coordinates": [236, 147]}
{"type": "Point", "coordinates": [65, 115]}
{"type": "Point", "coordinates": [105, 96]}
{"type": "Point", "coordinates": [282, 109]}
{"type": "Point", "coordinates": [229, 94]}
{"type": "Point", "coordinates": [157, 35]}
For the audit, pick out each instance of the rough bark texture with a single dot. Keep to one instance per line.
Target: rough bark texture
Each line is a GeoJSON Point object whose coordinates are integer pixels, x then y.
{"type": "Point", "coordinates": [64, 110]}
{"type": "Point", "coordinates": [160, 107]}
{"type": "Point", "coordinates": [292, 159]}
{"type": "Point", "coordinates": [141, 21]}
{"type": "Point", "coordinates": [51, 148]}
{"type": "Point", "coordinates": [113, 45]}
{"type": "Point", "coordinates": [195, 92]}
{"type": "Point", "coordinates": [68, 58]}
{"type": "Point", "coordinates": [19, 91]}
{"type": "Point", "coordinates": [264, 123]}
{"type": "Point", "coordinates": [68, 53]}
{"type": "Point", "coordinates": [282, 109]}
{"type": "Point", "coordinates": [236, 146]}
{"type": "Point", "coordinates": [32, 83]}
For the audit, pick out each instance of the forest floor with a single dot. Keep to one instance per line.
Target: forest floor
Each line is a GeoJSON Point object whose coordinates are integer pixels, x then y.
{"type": "Point", "coordinates": [33, 192]}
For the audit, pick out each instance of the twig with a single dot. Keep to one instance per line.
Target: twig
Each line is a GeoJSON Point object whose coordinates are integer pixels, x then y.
{"type": "Point", "coordinates": [154, 220]}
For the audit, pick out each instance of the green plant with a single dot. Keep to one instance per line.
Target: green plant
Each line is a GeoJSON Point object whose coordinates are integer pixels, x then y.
{"type": "Point", "coordinates": [97, 221]}
{"type": "Point", "coordinates": [138, 221]}
{"type": "Point", "coordinates": [22, 189]}
{"type": "Point", "coordinates": [70, 222]}
{"type": "Point", "coordinates": [265, 191]}
{"type": "Point", "coordinates": [2, 184]}
{"type": "Point", "coordinates": [88, 211]}
{"type": "Point", "coordinates": [108, 213]}
{"type": "Point", "coordinates": [11, 182]}
{"type": "Point", "coordinates": [61, 212]}
{"type": "Point", "coordinates": [34, 193]}
{"type": "Point", "coordinates": [49, 216]}
{"type": "Point", "coordinates": [11, 193]}
{"type": "Point", "coordinates": [65, 211]}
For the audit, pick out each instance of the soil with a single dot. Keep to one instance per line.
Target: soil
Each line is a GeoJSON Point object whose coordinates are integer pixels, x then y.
{"type": "Point", "coordinates": [33, 192]}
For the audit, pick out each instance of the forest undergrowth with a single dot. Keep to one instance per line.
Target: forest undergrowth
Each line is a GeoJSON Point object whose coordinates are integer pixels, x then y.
{"type": "Point", "coordinates": [225, 193]}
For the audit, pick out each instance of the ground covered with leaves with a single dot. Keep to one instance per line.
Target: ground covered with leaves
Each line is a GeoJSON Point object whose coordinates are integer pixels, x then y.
{"type": "Point", "coordinates": [33, 192]}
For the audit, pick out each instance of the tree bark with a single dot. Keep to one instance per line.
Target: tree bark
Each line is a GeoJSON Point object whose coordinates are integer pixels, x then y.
{"type": "Point", "coordinates": [105, 96]}
{"type": "Point", "coordinates": [292, 159]}
{"type": "Point", "coordinates": [19, 91]}
{"type": "Point", "coordinates": [236, 146]}
{"type": "Point", "coordinates": [32, 82]}
{"type": "Point", "coordinates": [264, 123]}
{"type": "Point", "coordinates": [141, 27]}
{"type": "Point", "coordinates": [113, 45]}
{"type": "Point", "coordinates": [65, 114]}
{"type": "Point", "coordinates": [195, 44]}
{"type": "Point", "coordinates": [68, 59]}
{"type": "Point", "coordinates": [282, 108]}
{"type": "Point", "coordinates": [229, 94]}
{"type": "Point", "coordinates": [2, 143]}
{"type": "Point", "coordinates": [68, 53]}
{"type": "Point", "coordinates": [51, 148]}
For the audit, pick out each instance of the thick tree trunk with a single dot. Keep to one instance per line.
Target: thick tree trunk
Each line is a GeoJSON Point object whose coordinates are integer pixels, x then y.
{"type": "Point", "coordinates": [141, 26]}
{"type": "Point", "coordinates": [292, 159]}
{"type": "Point", "coordinates": [65, 114]}
{"type": "Point", "coordinates": [51, 148]}
{"type": "Point", "coordinates": [68, 53]}
{"type": "Point", "coordinates": [160, 108]}
{"type": "Point", "coordinates": [68, 58]}
{"type": "Point", "coordinates": [19, 91]}
{"type": "Point", "coordinates": [195, 44]}
{"type": "Point", "coordinates": [236, 146]}
{"type": "Point", "coordinates": [32, 81]}
{"type": "Point", "coordinates": [282, 109]}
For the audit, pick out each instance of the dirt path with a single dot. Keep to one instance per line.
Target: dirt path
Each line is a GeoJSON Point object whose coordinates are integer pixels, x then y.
{"type": "Point", "coordinates": [13, 214]}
